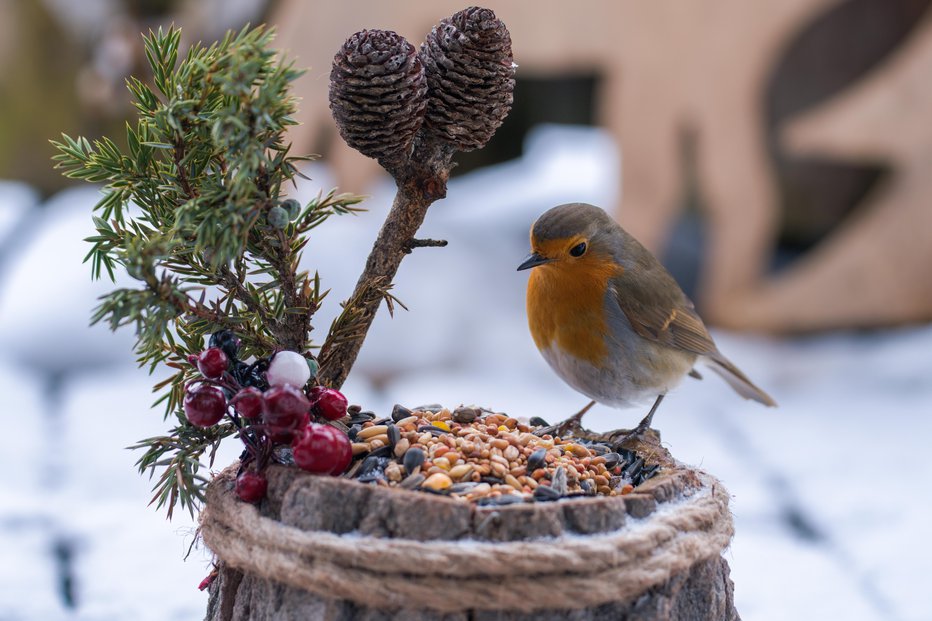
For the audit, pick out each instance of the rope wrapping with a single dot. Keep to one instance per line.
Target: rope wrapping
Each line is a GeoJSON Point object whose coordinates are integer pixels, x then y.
{"type": "Point", "coordinates": [569, 571]}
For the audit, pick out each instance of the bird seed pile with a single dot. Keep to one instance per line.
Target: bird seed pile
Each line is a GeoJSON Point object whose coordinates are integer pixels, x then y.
{"type": "Point", "coordinates": [486, 457]}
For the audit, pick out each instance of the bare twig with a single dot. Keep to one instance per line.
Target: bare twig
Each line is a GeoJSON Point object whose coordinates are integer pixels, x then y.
{"type": "Point", "coordinates": [425, 243]}
{"type": "Point", "coordinates": [451, 96]}
{"type": "Point", "coordinates": [423, 181]}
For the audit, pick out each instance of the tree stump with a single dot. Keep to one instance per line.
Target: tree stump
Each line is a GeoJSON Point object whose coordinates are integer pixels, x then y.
{"type": "Point", "coordinates": [333, 548]}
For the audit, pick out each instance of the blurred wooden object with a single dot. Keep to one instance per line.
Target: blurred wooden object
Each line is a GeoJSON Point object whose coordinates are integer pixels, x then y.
{"type": "Point", "coordinates": [874, 270]}
{"type": "Point", "coordinates": [700, 68]}
{"type": "Point", "coordinates": [669, 68]}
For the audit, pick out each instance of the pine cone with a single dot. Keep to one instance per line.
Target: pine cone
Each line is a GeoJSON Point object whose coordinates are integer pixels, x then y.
{"type": "Point", "coordinates": [470, 77]}
{"type": "Point", "coordinates": [378, 94]}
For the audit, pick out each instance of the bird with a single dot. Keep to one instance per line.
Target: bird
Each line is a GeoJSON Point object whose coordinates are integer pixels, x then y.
{"type": "Point", "coordinates": [610, 320]}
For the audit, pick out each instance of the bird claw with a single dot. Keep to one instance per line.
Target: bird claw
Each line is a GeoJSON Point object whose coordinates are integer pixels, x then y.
{"type": "Point", "coordinates": [545, 431]}
{"type": "Point", "coordinates": [569, 427]}
{"type": "Point", "coordinates": [625, 435]}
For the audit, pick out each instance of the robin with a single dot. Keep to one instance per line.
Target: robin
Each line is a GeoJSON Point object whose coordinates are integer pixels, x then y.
{"type": "Point", "coordinates": [609, 318]}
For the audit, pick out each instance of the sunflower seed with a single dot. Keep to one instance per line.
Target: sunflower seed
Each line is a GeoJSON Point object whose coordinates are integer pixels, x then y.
{"type": "Point", "coordinates": [504, 499]}
{"type": "Point", "coordinates": [558, 483]}
{"type": "Point", "coordinates": [372, 464]}
{"type": "Point", "coordinates": [612, 460]}
{"type": "Point", "coordinates": [393, 435]}
{"type": "Point", "coordinates": [382, 451]}
{"type": "Point", "coordinates": [463, 488]}
{"type": "Point", "coordinates": [544, 493]}
{"type": "Point", "coordinates": [412, 481]}
{"type": "Point", "coordinates": [536, 459]}
{"type": "Point", "coordinates": [634, 468]}
{"type": "Point", "coordinates": [465, 415]}
{"type": "Point", "coordinates": [361, 417]}
{"type": "Point", "coordinates": [437, 431]}
{"type": "Point", "coordinates": [598, 448]}
{"type": "Point", "coordinates": [399, 412]}
{"type": "Point", "coordinates": [647, 472]}
{"type": "Point", "coordinates": [413, 459]}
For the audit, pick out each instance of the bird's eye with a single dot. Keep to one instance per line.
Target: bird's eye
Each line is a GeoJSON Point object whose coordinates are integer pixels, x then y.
{"type": "Point", "coordinates": [578, 250]}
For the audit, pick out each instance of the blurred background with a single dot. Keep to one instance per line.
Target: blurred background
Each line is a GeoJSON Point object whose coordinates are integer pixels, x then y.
{"type": "Point", "coordinates": [776, 156]}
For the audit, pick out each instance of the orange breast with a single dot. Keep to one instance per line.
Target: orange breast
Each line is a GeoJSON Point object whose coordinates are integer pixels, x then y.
{"type": "Point", "coordinates": [565, 307]}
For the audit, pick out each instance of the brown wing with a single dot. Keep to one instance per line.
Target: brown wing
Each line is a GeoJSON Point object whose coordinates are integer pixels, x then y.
{"type": "Point", "coordinates": [661, 311]}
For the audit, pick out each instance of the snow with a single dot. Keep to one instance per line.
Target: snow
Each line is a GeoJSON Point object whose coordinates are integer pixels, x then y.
{"type": "Point", "coordinates": [830, 491]}
{"type": "Point", "coordinates": [47, 293]}
{"type": "Point", "coordinates": [27, 573]}
{"type": "Point", "coordinates": [777, 577]}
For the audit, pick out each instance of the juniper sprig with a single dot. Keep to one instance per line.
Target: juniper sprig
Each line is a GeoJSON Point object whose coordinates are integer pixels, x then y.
{"type": "Point", "coordinates": [192, 210]}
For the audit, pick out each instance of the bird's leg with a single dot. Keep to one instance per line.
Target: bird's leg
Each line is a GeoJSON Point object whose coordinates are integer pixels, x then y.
{"type": "Point", "coordinates": [644, 425]}
{"type": "Point", "coordinates": [572, 423]}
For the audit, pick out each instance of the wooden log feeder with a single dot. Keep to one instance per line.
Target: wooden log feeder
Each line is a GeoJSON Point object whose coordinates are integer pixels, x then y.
{"type": "Point", "coordinates": [334, 548]}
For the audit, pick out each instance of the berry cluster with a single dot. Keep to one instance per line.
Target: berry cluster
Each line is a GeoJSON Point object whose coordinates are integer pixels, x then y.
{"type": "Point", "coordinates": [270, 405]}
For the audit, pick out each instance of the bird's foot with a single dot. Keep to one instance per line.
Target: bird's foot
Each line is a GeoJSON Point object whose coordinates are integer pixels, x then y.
{"type": "Point", "coordinates": [642, 427]}
{"type": "Point", "coordinates": [559, 429]}
{"type": "Point", "coordinates": [618, 438]}
{"type": "Point", "coordinates": [571, 426]}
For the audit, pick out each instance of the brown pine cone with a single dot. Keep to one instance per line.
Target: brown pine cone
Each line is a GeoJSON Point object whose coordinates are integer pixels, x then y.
{"type": "Point", "coordinates": [470, 77]}
{"type": "Point", "coordinates": [378, 94]}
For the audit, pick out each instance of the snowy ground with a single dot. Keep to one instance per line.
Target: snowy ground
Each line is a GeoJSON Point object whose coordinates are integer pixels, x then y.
{"type": "Point", "coordinates": [830, 492]}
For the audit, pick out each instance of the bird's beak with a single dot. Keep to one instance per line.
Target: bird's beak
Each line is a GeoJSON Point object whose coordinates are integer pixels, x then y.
{"type": "Point", "coordinates": [533, 260]}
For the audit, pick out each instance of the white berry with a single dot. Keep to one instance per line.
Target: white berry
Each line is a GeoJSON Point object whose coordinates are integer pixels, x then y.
{"type": "Point", "coordinates": [288, 367]}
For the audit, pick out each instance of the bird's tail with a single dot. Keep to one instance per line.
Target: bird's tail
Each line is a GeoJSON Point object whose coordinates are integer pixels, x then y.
{"type": "Point", "coordinates": [739, 381]}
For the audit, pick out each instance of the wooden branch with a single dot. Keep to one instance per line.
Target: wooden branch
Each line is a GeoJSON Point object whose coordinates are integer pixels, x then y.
{"type": "Point", "coordinates": [451, 96]}
{"type": "Point", "coordinates": [421, 181]}
{"type": "Point", "coordinates": [234, 285]}
{"type": "Point", "coordinates": [425, 243]}
{"type": "Point", "coordinates": [293, 328]}
{"type": "Point", "coordinates": [178, 155]}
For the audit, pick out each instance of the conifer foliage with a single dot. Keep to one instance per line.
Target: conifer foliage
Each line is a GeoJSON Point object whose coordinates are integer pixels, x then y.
{"type": "Point", "coordinates": [191, 209]}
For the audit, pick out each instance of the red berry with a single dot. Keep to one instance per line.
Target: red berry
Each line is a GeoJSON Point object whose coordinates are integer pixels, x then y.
{"type": "Point", "coordinates": [321, 449]}
{"type": "Point", "coordinates": [314, 394]}
{"type": "Point", "coordinates": [331, 404]}
{"type": "Point", "coordinates": [212, 362]}
{"type": "Point", "coordinates": [205, 405]}
{"type": "Point", "coordinates": [209, 580]}
{"type": "Point", "coordinates": [347, 455]}
{"type": "Point", "coordinates": [285, 435]}
{"type": "Point", "coordinates": [251, 486]}
{"type": "Point", "coordinates": [284, 406]}
{"type": "Point", "coordinates": [248, 402]}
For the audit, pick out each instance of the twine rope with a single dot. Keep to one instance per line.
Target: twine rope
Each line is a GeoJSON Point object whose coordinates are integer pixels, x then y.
{"type": "Point", "coordinates": [571, 571]}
